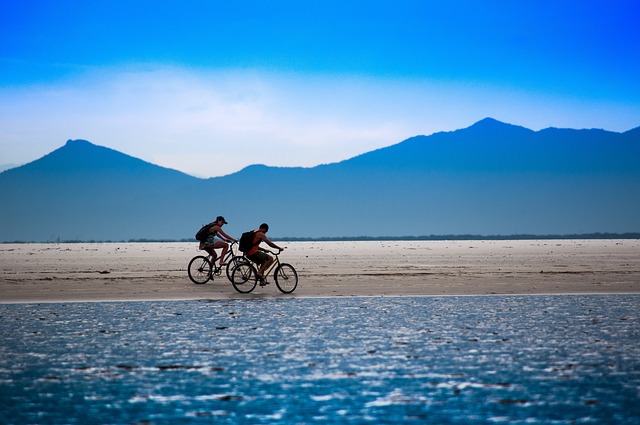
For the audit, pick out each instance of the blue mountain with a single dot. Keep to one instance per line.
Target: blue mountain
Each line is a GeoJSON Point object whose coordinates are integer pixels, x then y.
{"type": "Point", "coordinates": [490, 178]}
{"type": "Point", "coordinates": [85, 192]}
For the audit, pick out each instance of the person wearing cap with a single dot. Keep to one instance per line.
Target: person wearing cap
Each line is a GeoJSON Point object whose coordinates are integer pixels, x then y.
{"type": "Point", "coordinates": [218, 239]}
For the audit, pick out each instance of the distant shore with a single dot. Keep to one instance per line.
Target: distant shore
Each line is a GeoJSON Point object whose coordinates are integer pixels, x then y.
{"type": "Point", "coordinates": [157, 271]}
{"type": "Point", "coordinates": [469, 237]}
{"type": "Point", "coordinates": [452, 237]}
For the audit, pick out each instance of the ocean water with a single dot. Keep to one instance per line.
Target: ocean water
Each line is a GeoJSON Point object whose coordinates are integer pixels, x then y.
{"type": "Point", "coordinates": [440, 360]}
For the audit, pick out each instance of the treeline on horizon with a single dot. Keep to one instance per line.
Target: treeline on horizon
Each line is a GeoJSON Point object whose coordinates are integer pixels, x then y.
{"type": "Point", "coordinates": [463, 237]}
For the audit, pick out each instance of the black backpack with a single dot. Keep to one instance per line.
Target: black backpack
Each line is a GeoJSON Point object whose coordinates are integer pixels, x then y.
{"type": "Point", "coordinates": [203, 233]}
{"type": "Point", "coordinates": [246, 241]}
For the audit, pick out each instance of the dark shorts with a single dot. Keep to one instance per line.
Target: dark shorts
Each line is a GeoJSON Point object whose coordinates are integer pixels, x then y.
{"type": "Point", "coordinates": [259, 257]}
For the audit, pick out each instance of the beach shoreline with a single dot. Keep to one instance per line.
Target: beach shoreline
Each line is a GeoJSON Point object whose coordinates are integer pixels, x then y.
{"type": "Point", "coordinates": [249, 297]}
{"type": "Point", "coordinates": [84, 272]}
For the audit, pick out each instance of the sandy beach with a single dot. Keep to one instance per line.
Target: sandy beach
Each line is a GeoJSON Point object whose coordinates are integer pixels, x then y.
{"type": "Point", "coordinates": [157, 271]}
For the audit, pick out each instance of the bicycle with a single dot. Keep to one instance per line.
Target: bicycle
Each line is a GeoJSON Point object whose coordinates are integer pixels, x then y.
{"type": "Point", "coordinates": [244, 277]}
{"type": "Point", "coordinates": [203, 268]}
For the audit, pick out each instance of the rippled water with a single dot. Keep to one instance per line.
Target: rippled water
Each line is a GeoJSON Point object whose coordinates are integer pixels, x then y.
{"type": "Point", "coordinates": [492, 359]}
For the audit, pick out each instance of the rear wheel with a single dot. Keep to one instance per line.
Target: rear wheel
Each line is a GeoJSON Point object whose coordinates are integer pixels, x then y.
{"type": "Point", "coordinates": [199, 269]}
{"type": "Point", "coordinates": [244, 278]}
{"type": "Point", "coordinates": [233, 263]}
{"type": "Point", "coordinates": [286, 278]}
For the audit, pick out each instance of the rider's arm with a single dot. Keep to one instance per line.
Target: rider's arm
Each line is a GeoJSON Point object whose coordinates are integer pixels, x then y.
{"type": "Point", "coordinates": [229, 238]}
{"type": "Point", "coordinates": [271, 244]}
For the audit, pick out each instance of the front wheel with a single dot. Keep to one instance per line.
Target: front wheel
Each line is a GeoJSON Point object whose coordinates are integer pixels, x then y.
{"type": "Point", "coordinates": [244, 278]}
{"type": "Point", "coordinates": [199, 269]}
{"type": "Point", "coordinates": [286, 278]}
{"type": "Point", "coordinates": [233, 263]}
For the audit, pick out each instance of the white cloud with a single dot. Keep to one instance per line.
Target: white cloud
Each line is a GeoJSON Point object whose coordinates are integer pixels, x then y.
{"type": "Point", "coordinates": [214, 123]}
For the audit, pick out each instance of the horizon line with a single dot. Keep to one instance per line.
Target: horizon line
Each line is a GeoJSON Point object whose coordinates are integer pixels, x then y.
{"type": "Point", "coordinates": [449, 237]}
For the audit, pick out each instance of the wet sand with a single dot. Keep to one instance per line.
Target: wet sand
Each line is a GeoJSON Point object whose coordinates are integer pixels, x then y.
{"type": "Point", "coordinates": [157, 271]}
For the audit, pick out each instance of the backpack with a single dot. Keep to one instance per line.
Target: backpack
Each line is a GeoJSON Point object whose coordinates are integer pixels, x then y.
{"type": "Point", "coordinates": [203, 233]}
{"type": "Point", "coordinates": [246, 241]}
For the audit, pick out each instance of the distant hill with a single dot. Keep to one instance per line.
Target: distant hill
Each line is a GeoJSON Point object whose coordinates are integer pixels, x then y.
{"type": "Point", "coordinates": [491, 178]}
{"type": "Point", "coordinates": [85, 192]}
{"type": "Point", "coordinates": [4, 167]}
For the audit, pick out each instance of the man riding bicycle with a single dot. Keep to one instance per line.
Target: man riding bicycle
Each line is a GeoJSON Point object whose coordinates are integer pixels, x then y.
{"type": "Point", "coordinates": [257, 254]}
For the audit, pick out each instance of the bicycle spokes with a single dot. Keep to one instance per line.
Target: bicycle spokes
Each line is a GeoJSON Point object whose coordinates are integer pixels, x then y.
{"type": "Point", "coordinates": [199, 269]}
{"type": "Point", "coordinates": [246, 273]}
{"type": "Point", "coordinates": [244, 278]}
{"type": "Point", "coordinates": [286, 278]}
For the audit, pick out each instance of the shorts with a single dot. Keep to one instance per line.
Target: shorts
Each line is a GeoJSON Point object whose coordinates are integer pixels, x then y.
{"type": "Point", "coordinates": [211, 241]}
{"type": "Point", "coordinates": [259, 257]}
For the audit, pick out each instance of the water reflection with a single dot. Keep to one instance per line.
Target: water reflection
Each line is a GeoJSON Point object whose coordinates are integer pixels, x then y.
{"type": "Point", "coordinates": [515, 359]}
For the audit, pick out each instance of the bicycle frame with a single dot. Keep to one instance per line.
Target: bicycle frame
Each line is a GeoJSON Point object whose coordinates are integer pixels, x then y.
{"type": "Point", "coordinates": [230, 254]}
{"type": "Point", "coordinates": [200, 263]}
{"type": "Point", "coordinates": [273, 265]}
{"type": "Point", "coordinates": [244, 277]}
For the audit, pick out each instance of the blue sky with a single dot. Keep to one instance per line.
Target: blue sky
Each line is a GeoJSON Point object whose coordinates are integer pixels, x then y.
{"type": "Point", "coordinates": [209, 87]}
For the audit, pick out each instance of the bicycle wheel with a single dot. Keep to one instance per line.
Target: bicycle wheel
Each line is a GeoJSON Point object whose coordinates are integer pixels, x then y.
{"type": "Point", "coordinates": [244, 278]}
{"type": "Point", "coordinates": [286, 278]}
{"type": "Point", "coordinates": [233, 263]}
{"type": "Point", "coordinates": [199, 269]}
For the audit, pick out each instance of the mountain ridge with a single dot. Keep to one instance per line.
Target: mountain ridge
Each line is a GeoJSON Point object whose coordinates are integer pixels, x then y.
{"type": "Point", "coordinates": [82, 156]}
{"type": "Point", "coordinates": [490, 178]}
{"type": "Point", "coordinates": [496, 127]}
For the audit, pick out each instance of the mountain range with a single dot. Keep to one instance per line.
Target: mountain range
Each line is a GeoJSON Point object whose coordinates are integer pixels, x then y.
{"type": "Point", "coordinates": [491, 178]}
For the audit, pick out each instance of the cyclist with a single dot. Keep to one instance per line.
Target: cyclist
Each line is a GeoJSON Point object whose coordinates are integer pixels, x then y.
{"type": "Point", "coordinates": [257, 254]}
{"type": "Point", "coordinates": [217, 239]}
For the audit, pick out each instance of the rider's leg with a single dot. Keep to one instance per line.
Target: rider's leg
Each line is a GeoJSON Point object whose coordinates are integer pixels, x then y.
{"type": "Point", "coordinates": [265, 265]}
{"type": "Point", "coordinates": [225, 247]}
{"type": "Point", "coordinates": [212, 253]}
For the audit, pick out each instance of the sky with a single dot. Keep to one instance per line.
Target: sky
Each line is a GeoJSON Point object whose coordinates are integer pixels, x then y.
{"type": "Point", "coordinates": [209, 87]}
